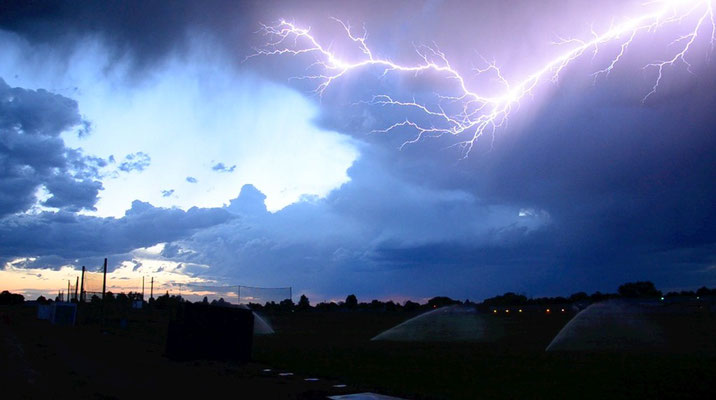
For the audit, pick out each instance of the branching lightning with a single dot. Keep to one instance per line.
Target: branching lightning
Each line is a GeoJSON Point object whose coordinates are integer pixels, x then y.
{"type": "Point", "coordinates": [479, 114]}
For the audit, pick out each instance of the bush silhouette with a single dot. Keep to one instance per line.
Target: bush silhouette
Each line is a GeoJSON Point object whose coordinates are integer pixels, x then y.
{"type": "Point", "coordinates": [639, 289]}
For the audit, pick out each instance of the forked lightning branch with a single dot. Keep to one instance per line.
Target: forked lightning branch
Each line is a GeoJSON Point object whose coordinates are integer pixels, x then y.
{"type": "Point", "coordinates": [480, 113]}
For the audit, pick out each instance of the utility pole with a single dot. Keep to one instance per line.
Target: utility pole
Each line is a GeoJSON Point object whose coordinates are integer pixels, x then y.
{"type": "Point", "coordinates": [151, 290]}
{"type": "Point", "coordinates": [142, 287]}
{"type": "Point", "coordinates": [68, 290]}
{"type": "Point", "coordinates": [82, 285]}
{"type": "Point", "coordinates": [104, 280]}
{"type": "Point", "coordinates": [77, 284]}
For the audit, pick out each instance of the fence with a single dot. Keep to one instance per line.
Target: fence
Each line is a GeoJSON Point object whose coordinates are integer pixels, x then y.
{"type": "Point", "coordinates": [234, 294]}
{"type": "Point", "coordinates": [95, 283]}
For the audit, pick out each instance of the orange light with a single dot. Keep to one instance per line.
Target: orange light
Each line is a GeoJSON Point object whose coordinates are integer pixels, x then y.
{"type": "Point", "coordinates": [507, 311]}
{"type": "Point", "coordinates": [494, 311]}
{"type": "Point", "coordinates": [548, 310]}
{"type": "Point", "coordinates": [520, 310]}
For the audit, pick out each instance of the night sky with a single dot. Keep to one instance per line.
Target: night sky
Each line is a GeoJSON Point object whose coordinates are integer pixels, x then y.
{"type": "Point", "coordinates": [146, 132]}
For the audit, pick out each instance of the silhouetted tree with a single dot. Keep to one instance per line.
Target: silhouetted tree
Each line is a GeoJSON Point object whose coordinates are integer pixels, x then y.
{"type": "Point", "coordinates": [220, 302]}
{"type": "Point", "coordinates": [122, 300]}
{"type": "Point", "coordinates": [109, 297]}
{"type": "Point", "coordinates": [410, 305]}
{"type": "Point", "coordinates": [390, 306]}
{"type": "Point", "coordinates": [271, 306]}
{"type": "Point", "coordinates": [7, 298]}
{"type": "Point", "coordinates": [441, 301]}
{"type": "Point", "coordinates": [507, 299]}
{"type": "Point", "coordinates": [134, 296]}
{"type": "Point", "coordinates": [598, 296]}
{"type": "Point", "coordinates": [639, 289]}
{"type": "Point", "coordinates": [327, 306]}
{"type": "Point", "coordinates": [303, 303]}
{"type": "Point", "coordinates": [166, 301]}
{"type": "Point", "coordinates": [579, 296]}
{"type": "Point", "coordinates": [286, 305]}
{"type": "Point", "coordinates": [351, 301]}
{"type": "Point", "coordinates": [42, 300]}
{"type": "Point", "coordinates": [376, 305]}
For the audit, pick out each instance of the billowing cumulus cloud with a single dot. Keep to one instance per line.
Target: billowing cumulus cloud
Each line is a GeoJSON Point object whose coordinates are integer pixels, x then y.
{"type": "Point", "coordinates": [354, 236]}
{"type": "Point", "coordinates": [70, 236]}
{"type": "Point", "coordinates": [33, 155]}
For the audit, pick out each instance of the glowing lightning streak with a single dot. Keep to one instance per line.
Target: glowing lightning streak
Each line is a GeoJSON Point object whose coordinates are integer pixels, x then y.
{"type": "Point", "coordinates": [481, 114]}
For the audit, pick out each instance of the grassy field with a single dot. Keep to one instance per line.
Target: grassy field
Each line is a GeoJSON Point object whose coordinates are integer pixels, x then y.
{"type": "Point", "coordinates": [337, 345]}
{"type": "Point", "coordinates": [109, 361]}
{"type": "Point", "coordinates": [95, 361]}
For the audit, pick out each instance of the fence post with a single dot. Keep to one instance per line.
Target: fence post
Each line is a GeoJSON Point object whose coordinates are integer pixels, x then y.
{"type": "Point", "coordinates": [104, 279]}
{"type": "Point", "coordinates": [82, 286]}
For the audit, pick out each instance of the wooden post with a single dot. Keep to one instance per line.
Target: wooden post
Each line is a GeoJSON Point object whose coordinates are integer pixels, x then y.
{"type": "Point", "coordinates": [82, 285]}
{"type": "Point", "coordinates": [104, 280]}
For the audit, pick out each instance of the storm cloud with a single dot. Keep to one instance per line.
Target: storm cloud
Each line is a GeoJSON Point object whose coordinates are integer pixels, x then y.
{"type": "Point", "coordinates": [585, 188]}
{"type": "Point", "coordinates": [71, 236]}
{"type": "Point", "coordinates": [33, 154]}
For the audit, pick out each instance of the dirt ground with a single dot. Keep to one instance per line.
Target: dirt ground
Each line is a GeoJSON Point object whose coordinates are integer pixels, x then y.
{"type": "Point", "coordinates": [39, 360]}
{"type": "Point", "coordinates": [514, 367]}
{"type": "Point", "coordinates": [98, 360]}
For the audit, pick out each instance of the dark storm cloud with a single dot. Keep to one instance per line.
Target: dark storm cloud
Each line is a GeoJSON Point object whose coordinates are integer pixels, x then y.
{"type": "Point", "coordinates": [71, 236]}
{"type": "Point", "coordinates": [220, 167]}
{"type": "Point", "coordinates": [619, 180]}
{"type": "Point", "coordinates": [340, 243]}
{"type": "Point", "coordinates": [37, 113]}
{"type": "Point", "coordinates": [32, 154]}
{"type": "Point", "coordinates": [70, 194]}
{"type": "Point", "coordinates": [147, 31]}
{"type": "Point", "coordinates": [627, 184]}
{"type": "Point", "coordinates": [135, 162]}
{"type": "Point", "coordinates": [628, 187]}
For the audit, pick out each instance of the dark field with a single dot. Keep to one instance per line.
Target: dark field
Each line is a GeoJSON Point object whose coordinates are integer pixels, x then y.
{"type": "Point", "coordinates": [337, 344]}
{"type": "Point", "coordinates": [41, 360]}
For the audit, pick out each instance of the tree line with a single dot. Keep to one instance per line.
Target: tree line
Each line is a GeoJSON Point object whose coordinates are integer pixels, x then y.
{"type": "Point", "coordinates": [640, 289]}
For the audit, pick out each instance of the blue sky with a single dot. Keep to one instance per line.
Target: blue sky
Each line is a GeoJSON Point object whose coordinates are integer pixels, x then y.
{"type": "Point", "coordinates": [141, 133]}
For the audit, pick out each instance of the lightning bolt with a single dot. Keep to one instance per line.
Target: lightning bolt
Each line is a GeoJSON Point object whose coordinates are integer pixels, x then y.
{"type": "Point", "coordinates": [479, 114]}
